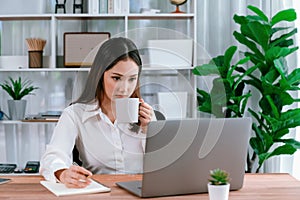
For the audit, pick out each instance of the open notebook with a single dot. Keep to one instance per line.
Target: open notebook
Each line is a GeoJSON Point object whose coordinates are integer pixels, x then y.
{"type": "Point", "coordinates": [60, 189]}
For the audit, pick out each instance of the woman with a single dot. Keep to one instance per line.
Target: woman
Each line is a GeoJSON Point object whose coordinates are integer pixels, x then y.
{"type": "Point", "coordinates": [104, 145]}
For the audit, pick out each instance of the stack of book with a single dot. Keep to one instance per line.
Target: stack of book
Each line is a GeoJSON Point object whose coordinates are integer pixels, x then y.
{"type": "Point", "coordinates": [108, 6]}
{"type": "Point", "coordinates": [49, 116]}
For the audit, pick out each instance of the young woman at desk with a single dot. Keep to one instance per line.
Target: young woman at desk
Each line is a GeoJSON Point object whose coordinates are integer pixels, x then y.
{"type": "Point", "coordinates": [104, 145]}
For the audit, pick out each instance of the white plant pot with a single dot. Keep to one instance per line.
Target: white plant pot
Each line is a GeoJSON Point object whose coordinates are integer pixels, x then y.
{"type": "Point", "coordinates": [218, 192]}
{"type": "Point", "coordinates": [16, 109]}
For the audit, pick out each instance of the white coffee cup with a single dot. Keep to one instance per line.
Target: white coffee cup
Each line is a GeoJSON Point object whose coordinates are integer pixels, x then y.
{"type": "Point", "coordinates": [127, 110]}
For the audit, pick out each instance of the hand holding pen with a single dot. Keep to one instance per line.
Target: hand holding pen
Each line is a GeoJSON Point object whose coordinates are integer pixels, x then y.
{"type": "Point", "coordinates": [75, 176]}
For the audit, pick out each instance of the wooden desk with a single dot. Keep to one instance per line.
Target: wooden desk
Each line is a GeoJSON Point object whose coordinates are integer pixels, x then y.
{"type": "Point", "coordinates": [256, 187]}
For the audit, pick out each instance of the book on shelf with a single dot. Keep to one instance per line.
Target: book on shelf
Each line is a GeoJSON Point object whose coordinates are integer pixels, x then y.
{"type": "Point", "coordinates": [110, 6]}
{"type": "Point", "coordinates": [103, 6]}
{"type": "Point", "coordinates": [117, 6]}
{"type": "Point", "coordinates": [93, 6]}
{"type": "Point", "coordinates": [49, 116]}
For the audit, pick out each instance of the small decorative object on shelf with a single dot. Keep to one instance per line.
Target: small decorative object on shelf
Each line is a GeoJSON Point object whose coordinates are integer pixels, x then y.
{"type": "Point", "coordinates": [60, 5]}
{"type": "Point", "coordinates": [78, 4]}
{"type": "Point", "coordinates": [17, 89]}
{"type": "Point", "coordinates": [218, 186]}
{"type": "Point", "coordinates": [178, 3]}
{"type": "Point", "coordinates": [3, 114]}
{"type": "Point", "coordinates": [35, 52]}
{"type": "Point", "coordinates": [149, 11]}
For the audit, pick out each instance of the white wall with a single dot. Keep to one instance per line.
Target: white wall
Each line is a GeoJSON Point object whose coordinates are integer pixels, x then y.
{"type": "Point", "coordinates": [23, 7]}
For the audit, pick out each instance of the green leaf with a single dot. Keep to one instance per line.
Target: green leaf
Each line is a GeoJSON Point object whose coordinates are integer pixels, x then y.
{"type": "Point", "coordinates": [255, 18]}
{"type": "Point", "coordinates": [228, 56]}
{"type": "Point", "coordinates": [280, 126]}
{"type": "Point", "coordinates": [258, 32]}
{"type": "Point", "coordinates": [240, 19]}
{"type": "Point", "coordinates": [284, 15]}
{"type": "Point", "coordinates": [246, 73]}
{"type": "Point", "coordinates": [282, 38]}
{"type": "Point", "coordinates": [219, 91]}
{"type": "Point", "coordinates": [251, 45]}
{"type": "Point", "coordinates": [277, 52]}
{"type": "Point", "coordinates": [253, 58]}
{"type": "Point", "coordinates": [218, 60]}
{"type": "Point", "coordinates": [255, 83]}
{"type": "Point", "coordinates": [291, 142]}
{"type": "Point", "coordinates": [245, 101]}
{"type": "Point", "coordinates": [280, 133]}
{"type": "Point", "coordinates": [290, 118]}
{"type": "Point", "coordinates": [286, 43]}
{"type": "Point", "coordinates": [281, 65]}
{"type": "Point", "coordinates": [243, 60]}
{"type": "Point", "coordinates": [293, 78]}
{"type": "Point", "coordinates": [285, 149]}
{"type": "Point", "coordinates": [271, 76]}
{"type": "Point", "coordinates": [206, 69]}
{"type": "Point", "coordinates": [256, 145]}
{"type": "Point", "coordinates": [258, 12]}
{"type": "Point", "coordinates": [258, 132]}
{"type": "Point", "coordinates": [276, 29]}
{"type": "Point", "coordinates": [204, 101]}
{"type": "Point", "coordinates": [265, 139]}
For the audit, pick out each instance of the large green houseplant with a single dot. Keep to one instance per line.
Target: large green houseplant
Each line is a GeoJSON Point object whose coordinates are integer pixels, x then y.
{"type": "Point", "coordinates": [268, 44]}
{"type": "Point", "coordinates": [17, 89]}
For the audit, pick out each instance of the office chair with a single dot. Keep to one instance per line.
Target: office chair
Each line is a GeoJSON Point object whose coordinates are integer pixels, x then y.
{"type": "Point", "coordinates": [60, 6]}
{"type": "Point", "coordinates": [75, 154]}
{"type": "Point", "coordinates": [158, 115]}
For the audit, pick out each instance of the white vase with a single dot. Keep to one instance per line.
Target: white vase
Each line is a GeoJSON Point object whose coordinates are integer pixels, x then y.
{"type": "Point", "coordinates": [218, 192]}
{"type": "Point", "coordinates": [16, 109]}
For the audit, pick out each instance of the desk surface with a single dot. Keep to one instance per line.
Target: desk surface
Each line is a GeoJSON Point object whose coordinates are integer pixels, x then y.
{"type": "Point", "coordinates": [256, 186]}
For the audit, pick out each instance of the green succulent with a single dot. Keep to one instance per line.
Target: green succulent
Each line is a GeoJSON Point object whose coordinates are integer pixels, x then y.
{"type": "Point", "coordinates": [219, 177]}
{"type": "Point", "coordinates": [17, 89]}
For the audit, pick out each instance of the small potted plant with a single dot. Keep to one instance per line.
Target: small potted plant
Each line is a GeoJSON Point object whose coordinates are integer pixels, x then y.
{"type": "Point", "coordinates": [17, 89]}
{"type": "Point", "coordinates": [218, 186]}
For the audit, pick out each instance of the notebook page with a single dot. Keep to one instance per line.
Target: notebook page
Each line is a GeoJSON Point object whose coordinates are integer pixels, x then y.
{"type": "Point", "coordinates": [60, 189]}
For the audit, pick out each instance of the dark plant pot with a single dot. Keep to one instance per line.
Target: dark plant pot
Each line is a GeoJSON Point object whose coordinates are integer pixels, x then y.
{"type": "Point", "coordinates": [16, 109]}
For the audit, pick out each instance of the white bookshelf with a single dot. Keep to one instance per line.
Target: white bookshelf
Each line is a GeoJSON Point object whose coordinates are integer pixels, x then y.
{"type": "Point", "coordinates": [54, 79]}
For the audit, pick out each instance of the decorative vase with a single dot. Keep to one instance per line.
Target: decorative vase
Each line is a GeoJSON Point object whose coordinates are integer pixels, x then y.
{"type": "Point", "coordinates": [16, 109]}
{"type": "Point", "coordinates": [218, 192]}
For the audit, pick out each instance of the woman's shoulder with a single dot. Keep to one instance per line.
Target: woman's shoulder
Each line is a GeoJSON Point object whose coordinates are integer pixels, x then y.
{"type": "Point", "coordinates": [81, 107]}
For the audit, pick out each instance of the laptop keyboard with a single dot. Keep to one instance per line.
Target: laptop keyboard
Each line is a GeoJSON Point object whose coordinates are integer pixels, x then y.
{"type": "Point", "coordinates": [7, 168]}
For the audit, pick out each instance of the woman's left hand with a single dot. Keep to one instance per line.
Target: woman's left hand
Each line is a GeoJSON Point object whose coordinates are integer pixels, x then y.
{"type": "Point", "coordinates": [145, 113]}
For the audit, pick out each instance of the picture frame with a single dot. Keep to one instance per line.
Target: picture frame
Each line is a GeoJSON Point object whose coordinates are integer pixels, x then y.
{"type": "Point", "coordinates": [80, 48]}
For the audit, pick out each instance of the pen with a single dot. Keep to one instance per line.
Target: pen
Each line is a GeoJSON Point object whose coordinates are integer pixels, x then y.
{"type": "Point", "coordinates": [75, 164]}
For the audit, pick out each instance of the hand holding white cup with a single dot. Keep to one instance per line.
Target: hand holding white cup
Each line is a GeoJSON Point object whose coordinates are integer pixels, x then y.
{"type": "Point", "coordinates": [127, 110]}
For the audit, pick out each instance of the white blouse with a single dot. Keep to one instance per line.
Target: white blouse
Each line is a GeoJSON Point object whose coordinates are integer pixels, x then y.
{"type": "Point", "coordinates": [104, 147]}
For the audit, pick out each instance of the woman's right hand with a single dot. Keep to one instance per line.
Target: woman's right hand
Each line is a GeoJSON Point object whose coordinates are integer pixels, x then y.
{"type": "Point", "coordinates": [74, 177]}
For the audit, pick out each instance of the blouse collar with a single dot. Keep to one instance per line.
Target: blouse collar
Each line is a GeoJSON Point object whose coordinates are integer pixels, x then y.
{"type": "Point", "coordinates": [91, 110]}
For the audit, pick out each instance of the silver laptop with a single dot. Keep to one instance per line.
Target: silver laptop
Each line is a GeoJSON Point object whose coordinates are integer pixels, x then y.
{"type": "Point", "coordinates": [180, 153]}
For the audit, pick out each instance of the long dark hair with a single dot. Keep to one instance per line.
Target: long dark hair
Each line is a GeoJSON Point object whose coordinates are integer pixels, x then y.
{"type": "Point", "coordinates": [109, 54]}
